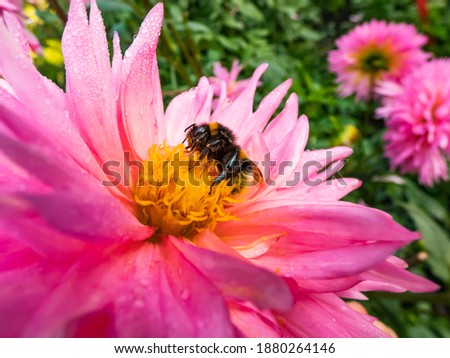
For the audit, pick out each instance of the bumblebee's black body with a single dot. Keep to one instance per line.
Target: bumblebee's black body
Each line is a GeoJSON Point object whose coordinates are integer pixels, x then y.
{"type": "Point", "coordinates": [216, 142]}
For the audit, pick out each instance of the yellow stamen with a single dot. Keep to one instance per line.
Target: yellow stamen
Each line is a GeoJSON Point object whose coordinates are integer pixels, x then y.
{"type": "Point", "coordinates": [174, 193]}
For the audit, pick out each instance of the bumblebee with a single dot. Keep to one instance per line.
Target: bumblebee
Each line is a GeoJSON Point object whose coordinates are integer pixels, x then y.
{"type": "Point", "coordinates": [217, 143]}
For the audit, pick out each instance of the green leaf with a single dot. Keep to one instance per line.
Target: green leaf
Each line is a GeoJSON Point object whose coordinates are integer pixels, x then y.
{"type": "Point", "coordinates": [430, 204]}
{"type": "Point", "coordinates": [232, 23]}
{"type": "Point", "coordinates": [114, 6]}
{"type": "Point", "coordinates": [436, 240]}
{"type": "Point", "coordinates": [250, 11]}
{"type": "Point", "coordinates": [309, 34]}
{"type": "Point", "coordinates": [198, 27]}
{"type": "Point", "coordinates": [228, 43]}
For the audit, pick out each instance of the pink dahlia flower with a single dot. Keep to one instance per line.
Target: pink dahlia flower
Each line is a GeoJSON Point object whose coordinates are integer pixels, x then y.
{"type": "Point", "coordinates": [167, 256]}
{"type": "Point", "coordinates": [225, 85]}
{"type": "Point", "coordinates": [375, 51]}
{"type": "Point", "coordinates": [417, 113]}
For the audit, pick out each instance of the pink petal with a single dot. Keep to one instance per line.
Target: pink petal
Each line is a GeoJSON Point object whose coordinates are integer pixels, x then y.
{"type": "Point", "coordinates": [116, 65]}
{"type": "Point", "coordinates": [258, 120]}
{"type": "Point", "coordinates": [258, 151]}
{"type": "Point", "coordinates": [22, 291]}
{"type": "Point", "coordinates": [220, 72]}
{"type": "Point", "coordinates": [288, 153]}
{"type": "Point", "coordinates": [8, 5]}
{"type": "Point", "coordinates": [14, 255]}
{"type": "Point", "coordinates": [328, 316]}
{"type": "Point", "coordinates": [23, 226]}
{"type": "Point", "coordinates": [13, 117]}
{"type": "Point", "coordinates": [89, 81]}
{"type": "Point", "coordinates": [234, 71]}
{"type": "Point", "coordinates": [45, 103]}
{"type": "Point", "coordinates": [6, 88]}
{"type": "Point", "coordinates": [221, 102]}
{"type": "Point", "coordinates": [337, 223]}
{"type": "Point", "coordinates": [327, 240]}
{"type": "Point", "coordinates": [326, 264]}
{"type": "Point", "coordinates": [39, 141]}
{"type": "Point", "coordinates": [13, 178]}
{"type": "Point", "coordinates": [253, 323]}
{"type": "Point", "coordinates": [193, 106]}
{"type": "Point", "coordinates": [98, 324]}
{"type": "Point", "coordinates": [208, 240]}
{"type": "Point", "coordinates": [238, 279]}
{"type": "Point", "coordinates": [141, 97]}
{"type": "Point", "coordinates": [329, 190]}
{"type": "Point", "coordinates": [328, 285]}
{"type": "Point", "coordinates": [16, 28]}
{"type": "Point", "coordinates": [86, 210]}
{"type": "Point", "coordinates": [319, 165]}
{"type": "Point", "coordinates": [150, 290]}
{"type": "Point", "coordinates": [33, 41]}
{"type": "Point", "coordinates": [239, 110]}
{"type": "Point", "coordinates": [280, 127]}
{"type": "Point", "coordinates": [389, 277]}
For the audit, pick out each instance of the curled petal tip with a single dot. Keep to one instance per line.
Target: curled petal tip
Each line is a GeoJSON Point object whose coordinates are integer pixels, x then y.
{"type": "Point", "coordinates": [262, 67]}
{"type": "Point", "coordinates": [159, 7]}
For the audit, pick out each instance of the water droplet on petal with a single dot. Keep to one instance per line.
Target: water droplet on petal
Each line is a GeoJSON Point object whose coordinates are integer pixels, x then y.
{"type": "Point", "coordinates": [185, 294]}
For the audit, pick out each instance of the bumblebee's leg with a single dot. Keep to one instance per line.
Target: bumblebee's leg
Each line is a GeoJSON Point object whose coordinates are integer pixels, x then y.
{"type": "Point", "coordinates": [222, 176]}
{"type": "Point", "coordinates": [193, 163]}
{"type": "Point", "coordinates": [232, 161]}
{"type": "Point", "coordinates": [203, 153]}
{"type": "Point", "coordinates": [206, 149]}
{"type": "Point", "coordinates": [213, 142]}
{"type": "Point", "coordinates": [199, 138]}
{"type": "Point", "coordinates": [226, 171]}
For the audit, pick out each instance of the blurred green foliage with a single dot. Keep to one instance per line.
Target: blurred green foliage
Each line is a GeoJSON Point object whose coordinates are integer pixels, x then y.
{"type": "Point", "coordinates": [294, 37]}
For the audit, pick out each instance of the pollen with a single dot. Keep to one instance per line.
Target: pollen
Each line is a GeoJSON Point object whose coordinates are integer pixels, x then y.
{"type": "Point", "coordinates": [174, 195]}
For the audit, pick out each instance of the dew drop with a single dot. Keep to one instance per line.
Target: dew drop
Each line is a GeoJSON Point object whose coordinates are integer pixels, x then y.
{"type": "Point", "coordinates": [185, 294]}
{"type": "Point", "coordinates": [79, 42]}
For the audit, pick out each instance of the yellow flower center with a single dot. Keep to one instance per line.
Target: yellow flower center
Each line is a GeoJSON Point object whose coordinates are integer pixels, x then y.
{"type": "Point", "coordinates": [174, 193]}
{"type": "Point", "coordinates": [374, 62]}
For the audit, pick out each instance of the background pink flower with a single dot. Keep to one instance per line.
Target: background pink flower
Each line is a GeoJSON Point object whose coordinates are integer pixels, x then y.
{"type": "Point", "coordinates": [79, 259]}
{"type": "Point", "coordinates": [375, 51]}
{"type": "Point", "coordinates": [225, 84]}
{"type": "Point", "coordinates": [417, 113]}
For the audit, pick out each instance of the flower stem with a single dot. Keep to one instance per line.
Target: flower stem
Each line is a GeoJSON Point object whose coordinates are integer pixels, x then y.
{"type": "Point", "coordinates": [184, 50]}
{"type": "Point", "coordinates": [192, 46]}
{"type": "Point", "coordinates": [171, 55]}
{"type": "Point", "coordinates": [58, 9]}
